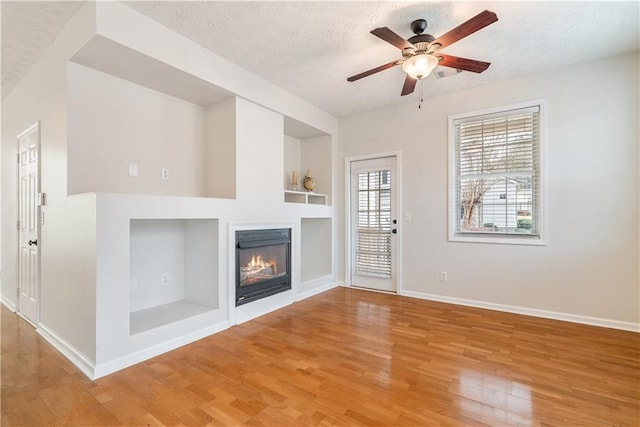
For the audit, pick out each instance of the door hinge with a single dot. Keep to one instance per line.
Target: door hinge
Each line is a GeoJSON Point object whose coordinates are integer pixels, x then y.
{"type": "Point", "coordinates": [18, 225]}
{"type": "Point", "coordinates": [18, 158]}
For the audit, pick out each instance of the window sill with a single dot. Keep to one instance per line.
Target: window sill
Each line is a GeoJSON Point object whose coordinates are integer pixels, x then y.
{"type": "Point", "coordinates": [516, 240]}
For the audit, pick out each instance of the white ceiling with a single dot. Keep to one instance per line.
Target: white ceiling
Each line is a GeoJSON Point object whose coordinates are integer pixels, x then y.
{"type": "Point", "coordinates": [310, 48]}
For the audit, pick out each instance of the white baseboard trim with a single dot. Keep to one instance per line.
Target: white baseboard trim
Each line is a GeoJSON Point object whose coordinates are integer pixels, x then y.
{"type": "Point", "coordinates": [112, 366]}
{"type": "Point", "coordinates": [76, 357]}
{"type": "Point", "coordinates": [567, 317]}
{"type": "Point", "coordinates": [316, 291]}
{"type": "Point", "coordinates": [7, 303]}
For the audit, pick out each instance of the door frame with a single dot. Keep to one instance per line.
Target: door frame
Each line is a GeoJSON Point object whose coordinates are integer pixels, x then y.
{"type": "Point", "coordinates": [398, 210]}
{"type": "Point", "coordinates": [37, 125]}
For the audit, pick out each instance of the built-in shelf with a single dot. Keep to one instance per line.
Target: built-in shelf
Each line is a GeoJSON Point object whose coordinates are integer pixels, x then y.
{"type": "Point", "coordinates": [315, 250]}
{"type": "Point", "coordinates": [165, 314]}
{"type": "Point", "coordinates": [307, 154]}
{"type": "Point", "coordinates": [305, 197]}
{"type": "Point", "coordinates": [173, 271]}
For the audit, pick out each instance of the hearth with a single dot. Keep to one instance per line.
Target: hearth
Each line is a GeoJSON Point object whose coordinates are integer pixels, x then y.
{"type": "Point", "coordinates": [263, 263]}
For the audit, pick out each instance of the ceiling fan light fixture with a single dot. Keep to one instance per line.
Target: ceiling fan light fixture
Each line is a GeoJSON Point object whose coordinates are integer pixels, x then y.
{"type": "Point", "coordinates": [419, 66]}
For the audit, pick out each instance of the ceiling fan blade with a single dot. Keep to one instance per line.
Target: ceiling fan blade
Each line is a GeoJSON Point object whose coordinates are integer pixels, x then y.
{"type": "Point", "coordinates": [390, 37]}
{"type": "Point", "coordinates": [463, 63]}
{"type": "Point", "coordinates": [474, 24]}
{"type": "Point", "coordinates": [372, 71]}
{"type": "Point", "coordinates": [409, 85]}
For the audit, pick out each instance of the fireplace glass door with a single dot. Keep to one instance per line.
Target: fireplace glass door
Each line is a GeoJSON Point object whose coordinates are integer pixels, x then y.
{"type": "Point", "coordinates": [263, 263]}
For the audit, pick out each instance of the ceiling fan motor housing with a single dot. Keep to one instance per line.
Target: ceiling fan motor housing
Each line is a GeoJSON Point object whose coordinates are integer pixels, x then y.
{"type": "Point", "coordinates": [421, 42]}
{"type": "Point", "coordinates": [418, 26]}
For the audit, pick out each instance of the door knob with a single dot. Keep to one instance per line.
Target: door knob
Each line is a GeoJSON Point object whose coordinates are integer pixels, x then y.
{"type": "Point", "coordinates": [33, 242]}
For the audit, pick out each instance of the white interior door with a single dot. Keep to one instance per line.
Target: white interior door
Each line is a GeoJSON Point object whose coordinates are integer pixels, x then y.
{"type": "Point", "coordinates": [28, 224]}
{"type": "Point", "coordinates": [374, 223]}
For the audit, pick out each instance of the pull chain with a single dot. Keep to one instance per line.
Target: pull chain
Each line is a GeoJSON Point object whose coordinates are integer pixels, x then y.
{"type": "Point", "coordinates": [420, 93]}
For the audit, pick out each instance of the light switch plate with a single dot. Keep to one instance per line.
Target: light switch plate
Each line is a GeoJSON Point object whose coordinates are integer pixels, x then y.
{"type": "Point", "coordinates": [133, 169]}
{"type": "Point", "coordinates": [165, 174]}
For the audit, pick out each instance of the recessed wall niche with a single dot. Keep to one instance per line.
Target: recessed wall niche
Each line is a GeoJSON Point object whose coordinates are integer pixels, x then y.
{"type": "Point", "coordinates": [315, 251]}
{"type": "Point", "coordinates": [307, 149]}
{"type": "Point", "coordinates": [173, 271]}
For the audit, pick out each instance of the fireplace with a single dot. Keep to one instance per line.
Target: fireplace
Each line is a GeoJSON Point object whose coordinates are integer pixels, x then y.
{"type": "Point", "coordinates": [263, 263]}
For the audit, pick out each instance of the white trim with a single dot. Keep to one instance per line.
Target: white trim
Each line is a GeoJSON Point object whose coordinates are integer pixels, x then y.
{"type": "Point", "coordinates": [535, 312]}
{"type": "Point", "coordinates": [10, 305]}
{"type": "Point", "coordinates": [75, 356]}
{"type": "Point", "coordinates": [399, 214]}
{"type": "Point", "coordinates": [540, 240]}
{"type": "Point", "coordinates": [26, 319]}
{"type": "Point", "coordinates": [379, 291]}
{"type": "Point", "coordinates": [315, 291]}
{"type": "Point", "coordinates": [499, 109]}
{"type": "Point", "coordinates": [29, 129]}
{"type": "Point", "coordinates": [102, 369]}
{"type": "Point", "coordinates": [254, 309]}
{"type": "Point", "coordinates": [515, 240]}
{"type": "Point", "coordinates": [347, 221]}
{"type": "Point", "coordinates": [35, 127]}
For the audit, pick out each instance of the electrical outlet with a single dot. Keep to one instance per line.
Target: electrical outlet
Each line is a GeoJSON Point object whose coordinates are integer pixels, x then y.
{"type": "Point", "coordinates": [133, 169]}
{"type": "Point", "coordinates": [444, 276]}
{"type": "Point", "coordinates": [165, 279]}
{"type": "Point", "coordinates": [165, 174]}
{"type": "Point", "coordinates": [407, 216]}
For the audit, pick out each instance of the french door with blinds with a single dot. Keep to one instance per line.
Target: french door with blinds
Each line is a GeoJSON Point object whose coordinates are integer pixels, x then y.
{"type": "Point", "coordinates": [373, 224]}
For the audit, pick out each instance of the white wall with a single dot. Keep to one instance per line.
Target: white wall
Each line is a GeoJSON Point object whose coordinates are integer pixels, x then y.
{"type": "Point", "coordinates": [113, 122]}
{"type": "Point", "coordinates": [67, 244]}
{"type": "Point", "coordinates": [315, 248]}
{"type": "Point", "coordinates": [590, 265]}
{"type": "Point", "coordinates": [291, 162]}
{"type": "Point", "coordinates": [316, 155]}
{"type": "Point", "coordinates": [157, 247]}
{"type": "Point", "coordinates": [259, 152]}
{"type": "Point", "coordinates": [220, 137]}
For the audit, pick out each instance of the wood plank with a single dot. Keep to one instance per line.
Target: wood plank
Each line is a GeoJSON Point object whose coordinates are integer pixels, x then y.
{"type": "Point", "coordinates": [344, 357]}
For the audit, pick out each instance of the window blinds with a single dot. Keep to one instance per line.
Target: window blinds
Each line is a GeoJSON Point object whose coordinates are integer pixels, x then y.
{"type": "Point", "coordinates": [497, 173]}
{"type": "Point", "coordinates": [373, 234]}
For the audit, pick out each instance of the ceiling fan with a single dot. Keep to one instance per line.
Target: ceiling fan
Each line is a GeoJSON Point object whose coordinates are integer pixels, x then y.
{"type": "Point", "coordinates": [421, 52]}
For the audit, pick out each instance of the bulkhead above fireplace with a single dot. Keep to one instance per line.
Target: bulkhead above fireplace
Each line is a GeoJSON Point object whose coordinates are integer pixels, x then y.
{"type": "Point", "coordinates": [263, 263]}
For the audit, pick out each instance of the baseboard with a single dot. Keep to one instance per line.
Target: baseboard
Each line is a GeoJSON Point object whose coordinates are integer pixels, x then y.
{"type": "Point", "coordinates": [567, 317]}
{"type": "Point", "coordinates": [76, 357]}
{"type": "Point", "coordinates": [112, 366]}
{"type": "Point", "coordinates": [10, 305]}
{"type": "Point", "coordinates": [316, 291]}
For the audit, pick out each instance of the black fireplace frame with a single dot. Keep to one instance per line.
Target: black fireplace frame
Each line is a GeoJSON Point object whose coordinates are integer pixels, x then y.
{"type": "Point", "coordinates": [246, 239]}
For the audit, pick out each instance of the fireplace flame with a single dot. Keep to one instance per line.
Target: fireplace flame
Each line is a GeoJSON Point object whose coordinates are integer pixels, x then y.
{"type": "Point", "coordinates": [257, 264]}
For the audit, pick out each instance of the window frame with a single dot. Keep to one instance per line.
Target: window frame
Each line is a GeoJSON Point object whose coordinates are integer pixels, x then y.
{"type": "Point", "coordinates": [453, 210]}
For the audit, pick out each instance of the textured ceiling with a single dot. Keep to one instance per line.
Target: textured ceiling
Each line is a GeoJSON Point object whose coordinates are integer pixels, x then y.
{"type": "Point", "coordinates": [28, 28]}
{"type": "Point", "coordinates": [309, 48]}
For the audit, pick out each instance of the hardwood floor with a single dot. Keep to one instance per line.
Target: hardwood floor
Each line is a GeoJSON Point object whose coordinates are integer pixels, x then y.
{"type": "Point", "coordinates": [345, 357]}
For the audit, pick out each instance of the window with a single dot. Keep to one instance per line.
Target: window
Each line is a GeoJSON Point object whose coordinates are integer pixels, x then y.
{"type": "Point", "coordinates": [495, 176]}
{"type": "Point", "coordinates": [373, 244]}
